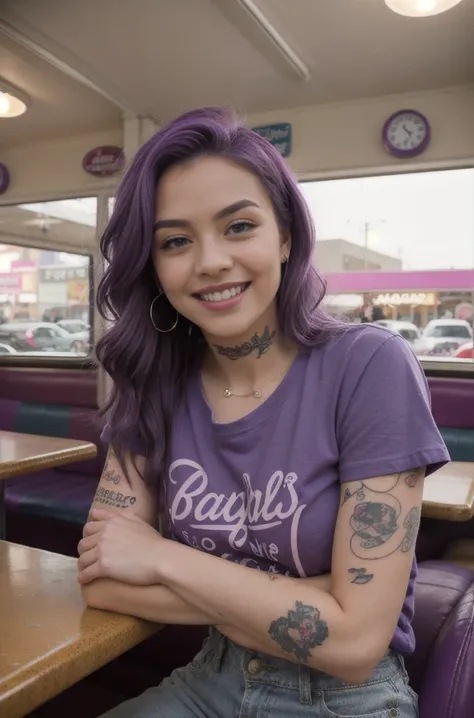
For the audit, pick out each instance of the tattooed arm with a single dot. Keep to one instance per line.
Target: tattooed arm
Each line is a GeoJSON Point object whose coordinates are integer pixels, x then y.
{"type": "Point", "coordinates": [156, 603]}
{"type": "Point", "coordinates": [345, 632]}
{"type": "Point", "coordinates": [153, 603]}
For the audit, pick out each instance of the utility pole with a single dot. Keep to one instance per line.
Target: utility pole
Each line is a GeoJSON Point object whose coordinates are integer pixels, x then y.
{"type": "Point", "coordinates": [366, 243]}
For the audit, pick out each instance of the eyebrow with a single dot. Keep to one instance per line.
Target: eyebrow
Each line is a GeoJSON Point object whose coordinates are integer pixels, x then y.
{"type": "Point", "coordinates": [226, 212]}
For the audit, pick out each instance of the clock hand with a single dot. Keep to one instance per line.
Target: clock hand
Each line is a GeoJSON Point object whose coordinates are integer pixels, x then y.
{"type": "Point", "coordinates": [409, 133]}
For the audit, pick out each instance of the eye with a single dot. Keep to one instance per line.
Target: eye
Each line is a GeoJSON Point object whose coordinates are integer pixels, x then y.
{"type": "Point", "coordinates": [241, 226]}
{"type": "Point", "coordinates": [175, 243]}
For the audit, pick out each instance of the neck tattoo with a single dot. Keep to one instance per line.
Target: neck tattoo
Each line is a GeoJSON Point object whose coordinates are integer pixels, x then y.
{"type": "Point", "coordinates": [258, 343]}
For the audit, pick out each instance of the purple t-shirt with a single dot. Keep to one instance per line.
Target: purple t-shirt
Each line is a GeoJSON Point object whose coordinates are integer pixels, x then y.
{"type": "Point", "coordinates": [264, 490]}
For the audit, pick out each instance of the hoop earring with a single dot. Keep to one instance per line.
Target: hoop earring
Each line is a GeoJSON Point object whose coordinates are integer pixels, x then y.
{"type": "Point", "coordinates": [162, 331]}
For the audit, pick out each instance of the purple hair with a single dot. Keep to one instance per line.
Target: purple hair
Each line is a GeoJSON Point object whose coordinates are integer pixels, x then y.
{"type": "Point", "coordinates": [149, 370]}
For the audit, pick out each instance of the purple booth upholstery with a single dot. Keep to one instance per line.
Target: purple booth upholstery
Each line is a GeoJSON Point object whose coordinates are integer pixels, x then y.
{"type": "Point", "coordinates": [442, 668]}
{"type": "Point", "coordinates": [47, 509]}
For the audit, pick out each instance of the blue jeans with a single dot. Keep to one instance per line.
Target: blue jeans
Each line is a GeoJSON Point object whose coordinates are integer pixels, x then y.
{"type": "Point", "coordinates": [225, 681]}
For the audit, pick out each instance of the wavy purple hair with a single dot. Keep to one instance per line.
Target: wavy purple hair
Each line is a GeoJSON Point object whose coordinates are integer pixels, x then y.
{"type": "Point", "coordinates": [149, 370]}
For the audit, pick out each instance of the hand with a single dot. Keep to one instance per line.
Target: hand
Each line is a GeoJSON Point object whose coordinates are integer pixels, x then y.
{"type": "Point", "coordinates": [119, 546]}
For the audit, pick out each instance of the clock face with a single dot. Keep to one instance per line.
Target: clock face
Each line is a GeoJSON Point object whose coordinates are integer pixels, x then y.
{"type": "Point", "coordinates": [406, 133]}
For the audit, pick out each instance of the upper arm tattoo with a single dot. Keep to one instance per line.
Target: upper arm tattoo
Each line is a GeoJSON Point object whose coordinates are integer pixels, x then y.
{"type": "Point", "coordinates": [379, 525]}
{"type": "Point", "coordinates": [298, 632]}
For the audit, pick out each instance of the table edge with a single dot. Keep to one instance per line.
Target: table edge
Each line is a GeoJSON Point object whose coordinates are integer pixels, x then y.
{"type": "Point", "coordinates": [9, 470]}
{"type": "Point", "coordinates": [23, 696]}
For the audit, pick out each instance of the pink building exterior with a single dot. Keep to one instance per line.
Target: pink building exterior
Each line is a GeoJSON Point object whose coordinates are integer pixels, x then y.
{"type": "Point", "coordinates": [435, 281]}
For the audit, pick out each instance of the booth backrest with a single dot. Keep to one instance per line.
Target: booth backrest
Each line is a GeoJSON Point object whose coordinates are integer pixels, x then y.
{"type": "Point", "coordinates": [442, 668]}
{"type": "Point", "coordinates": [452, 403]}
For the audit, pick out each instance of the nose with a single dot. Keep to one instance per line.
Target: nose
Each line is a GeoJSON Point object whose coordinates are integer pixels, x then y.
{"type": "Point", "coordinates": [213, 258]}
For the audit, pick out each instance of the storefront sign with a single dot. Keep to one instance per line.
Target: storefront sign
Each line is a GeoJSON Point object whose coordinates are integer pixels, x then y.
{"type": "Point", "coordinates": [10, 283]}
{"type": "Point", "coordinates": [279, 135]}
{"type": "Point", "coordinates": [406, 298]}
{"type": "Point", "coordinates": [77, 291]}
{"type": "Point", "coordinates": [104, 161]}
{"type": "Point", "coordinates": [4, 178]}
{"type": "Point", "coordinates": [23, 265]}
{"type": "Point", "coordinates": [63, 274]}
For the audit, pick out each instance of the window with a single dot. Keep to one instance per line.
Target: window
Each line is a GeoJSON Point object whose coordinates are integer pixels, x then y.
{"type": "Point", "coordinates": [399, 250]}
{"type": "Point", "coordinates": [45, 282]}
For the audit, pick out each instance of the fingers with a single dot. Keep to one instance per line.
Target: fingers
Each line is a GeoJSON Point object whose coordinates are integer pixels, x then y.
{"type": "Point", "coordinates": [92, 527]}
{"type": "Point", "coordinates": [89, 567]}
{"type": "Point", "coordinates": [89, 574]}
{"type": "Point", "coordinates": [87, 558]}
{"type": "Point", "coordinates": [86, 543]}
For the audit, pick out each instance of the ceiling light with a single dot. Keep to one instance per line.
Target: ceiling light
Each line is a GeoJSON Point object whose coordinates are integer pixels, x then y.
{"type": "Point", "coordinates": [13, 102]}
{"type": "Point", "coordinates": [11, 106]}
{"type": "Point", "coordinates": [420, 8]}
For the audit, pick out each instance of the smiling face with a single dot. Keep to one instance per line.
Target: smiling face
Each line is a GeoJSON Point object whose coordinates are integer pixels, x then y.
{"type": "Point", "coordinates": [218, 248]}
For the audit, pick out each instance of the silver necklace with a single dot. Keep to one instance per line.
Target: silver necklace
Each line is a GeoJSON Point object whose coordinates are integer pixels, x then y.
{"type": "Point", "coordinates": [255, 393]}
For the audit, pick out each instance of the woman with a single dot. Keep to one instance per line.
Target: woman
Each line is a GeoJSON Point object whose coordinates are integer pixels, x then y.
{"type": "Point", "coordinates": [264, 433]}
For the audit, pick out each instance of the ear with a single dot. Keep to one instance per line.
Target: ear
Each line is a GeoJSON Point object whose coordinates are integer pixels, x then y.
{"type": "Point", "coordinates": [285, 249]}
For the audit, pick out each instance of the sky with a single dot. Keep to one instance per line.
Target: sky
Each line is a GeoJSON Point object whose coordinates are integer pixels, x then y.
{"type": "Point", "coordinates": [425, 219]}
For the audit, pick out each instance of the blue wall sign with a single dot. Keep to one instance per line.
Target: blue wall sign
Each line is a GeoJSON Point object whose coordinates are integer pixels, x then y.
{"type": "Point", "coordinates": [279, 135]}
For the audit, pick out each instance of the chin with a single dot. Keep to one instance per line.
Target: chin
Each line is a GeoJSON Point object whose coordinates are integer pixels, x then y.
{"type": "Point", "coordinates": [231, 328]}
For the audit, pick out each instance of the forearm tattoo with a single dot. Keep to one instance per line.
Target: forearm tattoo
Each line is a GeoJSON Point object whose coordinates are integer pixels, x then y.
{"type": "Point", "coordinates": [360, 575]}
{"type": "Point", "coordinates": [110, 474]}
{"type": "Point", "coordinates": [379, 526]}
{"type": "Point", "coordinates": [114, 498]}
{"type": "Point", "coordinates": [298, 632]}
{"type": "Point", "coordinates": [258, 343]}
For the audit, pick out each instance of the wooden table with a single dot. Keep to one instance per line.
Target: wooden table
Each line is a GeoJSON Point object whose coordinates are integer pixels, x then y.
{"type": "Point", "coordinates": [48, 639]}
{"type": "Point", "coordinates": [449, 492]}
{"type": "Point", "coordinates": [24, 453]}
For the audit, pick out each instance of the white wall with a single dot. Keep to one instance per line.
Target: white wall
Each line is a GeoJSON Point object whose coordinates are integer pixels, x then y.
{"type": "Point", "coordinates": [53, 170]}
{"type": "Point", "coordinates": [344, 139]}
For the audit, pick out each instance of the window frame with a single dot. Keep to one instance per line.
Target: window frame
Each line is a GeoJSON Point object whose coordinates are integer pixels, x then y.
{"type": "Point", "coordinates": [50, 361]}
{"type": "Point", "coordinates": [432, 366]}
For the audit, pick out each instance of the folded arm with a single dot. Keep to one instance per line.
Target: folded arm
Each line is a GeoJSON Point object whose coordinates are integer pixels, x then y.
{"type": "Point", "coordinates": [344, 632]}
{"type": "Point", "coordinates": [157, 603]}
{"type": "Point", "coordinates": [153, 603]}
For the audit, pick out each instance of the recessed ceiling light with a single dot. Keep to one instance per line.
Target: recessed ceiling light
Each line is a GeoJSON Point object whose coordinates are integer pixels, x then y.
{"type": "Point", "coordinates": [421, 8]}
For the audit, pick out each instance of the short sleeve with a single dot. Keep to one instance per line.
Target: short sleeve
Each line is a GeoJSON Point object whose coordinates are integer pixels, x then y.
{"type": "Point", "coordinates": [384, 422]}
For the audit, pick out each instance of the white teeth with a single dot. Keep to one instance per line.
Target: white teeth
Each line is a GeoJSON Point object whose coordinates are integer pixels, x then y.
{"type": "Point", "coordinates": [222, 296]}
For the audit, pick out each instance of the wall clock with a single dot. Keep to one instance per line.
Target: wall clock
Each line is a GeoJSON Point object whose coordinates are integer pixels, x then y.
{"type": "Point", "coordinates": [406, 133]}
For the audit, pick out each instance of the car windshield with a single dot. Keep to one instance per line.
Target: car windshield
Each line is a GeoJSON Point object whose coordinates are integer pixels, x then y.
{"type": "Point", "coordinates": [447, 330]}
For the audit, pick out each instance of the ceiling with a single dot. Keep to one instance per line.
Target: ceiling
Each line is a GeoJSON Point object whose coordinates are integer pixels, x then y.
{"type": "Point", "coordinates": [160, 57]}
{"type": "Point", "coordinates": [60, 106]}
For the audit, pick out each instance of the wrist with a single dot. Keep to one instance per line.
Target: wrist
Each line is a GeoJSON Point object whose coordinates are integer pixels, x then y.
{"type": "Point", "coordinates": [167, 558]}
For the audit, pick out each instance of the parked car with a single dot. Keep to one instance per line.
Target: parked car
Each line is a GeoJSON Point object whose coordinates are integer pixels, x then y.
{"type": "Point", "coordinates": [407, 330]}
{"type": "Point", "coordinates": [79, 331]}
{"type": "Point", "coordinates": [36, 336]}
{"type": "Point", "coordinates": [465, 351]}
{"type": "Point", "coordinates": [443, 337]}
{"type": "Point", "coordinates": [7, 349]}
